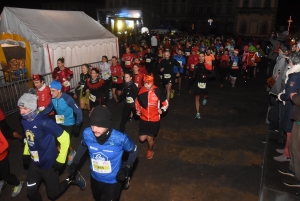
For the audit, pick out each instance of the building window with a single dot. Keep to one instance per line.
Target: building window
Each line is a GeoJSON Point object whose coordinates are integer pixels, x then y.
{"type": "Point", "coordinates": [243, 27]}
{"type": "Point", "coordinates": [267, 3]}
{"type": "Point", "coordinates": [208, 9]}
{"type": "Point", "coordinates": [256, 3]}
{"type": "Point", "coordinates": [264, 28]}
{"type": "Point", "coordinates": [183, 1]}
{"type": "Point", "coordinates": [174, 8]}
{"type": "Point", "coordinates": [165, 9]}
{"type": "Point", "coordinates": [193, 8]}
{"type": "Point", "coordinates": [200, 9]}
{"type": "Point", "coordinates": [183, 7]}
{"type": "Point", "coordinates": [174, 1]}
{"type": "Point", "coordinates": [228, 9]}
{"type": "Point", "coordinates": [246, 3]}
{"type": "Point", "coordinates": [219, 9]}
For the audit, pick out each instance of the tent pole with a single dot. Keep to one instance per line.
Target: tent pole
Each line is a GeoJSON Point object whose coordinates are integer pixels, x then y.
{"type": "Point", "coordinates": [49, 58]}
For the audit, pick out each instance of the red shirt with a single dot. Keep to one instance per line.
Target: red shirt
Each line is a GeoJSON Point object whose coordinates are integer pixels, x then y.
{"type": "Point", "coordinates": [142, 70]}
{"type": "Point", "coordinates": [140, 55]}
{"type": "Point", "coordinates": [128, 59]}
{"type": "Point", "coordinates": [2, 116]}
{"type": "Point", "coordinates": [44, 97]}
{"type": "Point", "coordinates": [251, 59]}
{"type": "Point", "coordinates": [3, 147]}
{"type": "Point", "coordinates": [138, 79]}
{"type": "Point", "coordinates": [116, 72]}
{"type": "Point", "coordinates": [192, 61]}
{"type": "Point", "coordinates": [63, 77]}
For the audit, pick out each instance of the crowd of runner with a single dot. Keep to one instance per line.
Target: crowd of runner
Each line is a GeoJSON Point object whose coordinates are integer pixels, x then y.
{"type": "Point", "coordinates": [51, 116]}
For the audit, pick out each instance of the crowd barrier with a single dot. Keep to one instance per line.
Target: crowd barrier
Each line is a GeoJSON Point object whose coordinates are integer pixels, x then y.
{"type": "Point", "coordinates": [12, 87]}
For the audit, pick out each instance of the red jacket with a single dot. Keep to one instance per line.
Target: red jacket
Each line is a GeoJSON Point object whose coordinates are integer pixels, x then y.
{"type": "Point", "coordinates": [128, 59]}
{"type": "Point", "coordinates": [63, 77]}
{"type": "Point", "coordinates": [149, 101]}
{"type": "Point", "coordinates": [116, 72]}
{"type": "Point", "coordinates": [138, 79]}
{"type": "Point", "coordinates": [2, 116]}
{"type": "Point", "coordinates": [251, 59]}
{"type": "Point", "coordinates": [44, 97]}
{"type": "Point", "coordinates": [3, 147]}
{"type": "Point", "coordinates": [192, 61]}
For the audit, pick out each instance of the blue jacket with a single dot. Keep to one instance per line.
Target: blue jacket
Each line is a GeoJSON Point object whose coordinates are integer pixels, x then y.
{"type": "Point", "coordinates": [66, 106]}
{"type": "Point", "coordinates": [180, 60]}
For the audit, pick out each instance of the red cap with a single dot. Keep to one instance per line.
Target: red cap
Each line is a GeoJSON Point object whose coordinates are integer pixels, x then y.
{"type": "Point", "coordinates": [237, 50]}
{"type": "Point", "coordinates": [36, 77]}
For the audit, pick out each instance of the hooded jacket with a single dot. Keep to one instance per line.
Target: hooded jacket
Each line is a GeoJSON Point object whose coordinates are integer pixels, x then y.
{"type": "Point", "coordinates": [278, 74]}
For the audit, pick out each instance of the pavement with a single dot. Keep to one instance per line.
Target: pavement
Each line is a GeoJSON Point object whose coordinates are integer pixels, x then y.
{"type": "Point", "coordinates": [217, 158]}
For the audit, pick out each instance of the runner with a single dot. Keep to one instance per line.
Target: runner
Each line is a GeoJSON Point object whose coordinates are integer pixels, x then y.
{"type": "Point", "coordinates": [149, 106]}
{"type": "Point", "coordinates": [192, 61]}
{"type": "Point", "coordinates": [149, 59]}
{"type": "Point", "coordinates": [138, 76]}
{"type": "Point", "coordinates": [5, 175]}
{"type": "Point", "coordinates": [104, 69]}
{"type": "Point", "coordinates": [83, 95]}
{"type": "Point", "coordinates": [130, 92]}
{"type": "Point", "coordinates": [65, 108]}
{"type": "Point", "coordinates": [201, 75]}
{"type": "Point", "coordinates": [63, 75]}
{"type": "Point", "coordinates": [166, 66]}
{"type": "Point", "coordinates": [179, 70]}
{"type": "Point", "coordinates": [6, 129]}
{"type": "Point", "coordinates": [105, 146]}
{"type": "Point", "coordinates": [117, 79]}
{"type": "Point", "coordinates": [40, 151]}
{"type": "Point", "coordinates": [235, 64]}
{"type": "Point", "coordinates": [127, 58]}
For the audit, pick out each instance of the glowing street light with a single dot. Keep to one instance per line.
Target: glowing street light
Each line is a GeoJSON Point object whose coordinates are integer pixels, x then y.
{"type": "Point", "coordinates": [210, 21]}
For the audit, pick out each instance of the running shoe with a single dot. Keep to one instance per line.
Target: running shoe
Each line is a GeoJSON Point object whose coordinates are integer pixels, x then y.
{"type": "Point", "coordinates": [204, 101]}
{"type": "Point", "coordinates": [71, 157]}
{"type": "Point", "coordinates": [149, 154]}
{"type": "Point", "coordinates": [17, 189]}
{"type": "Point", "coordinates": [80, 181]}
{"type": "Point", "coordinates": [127, 183]}
{"type": "Point", "coordinates": [286, 171]}
{"type": "Point", "coordinates": [197, 116]}
{"type": "Point", "coordinates": [292, 182]}
{"type": "Point", "coordinates": [2, 185]}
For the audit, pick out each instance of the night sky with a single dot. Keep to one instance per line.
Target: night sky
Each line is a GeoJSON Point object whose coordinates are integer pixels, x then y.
{"type": "Point", "coordinates": [287, 8]}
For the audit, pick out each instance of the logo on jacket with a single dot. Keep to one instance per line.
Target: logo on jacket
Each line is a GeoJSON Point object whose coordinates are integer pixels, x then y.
{"type": "Point", "coordinates": [94, 148]}
{"type": "Point", "coordinates": [29, 137]}
{"type": "Point", "coordinates": [100, 156]}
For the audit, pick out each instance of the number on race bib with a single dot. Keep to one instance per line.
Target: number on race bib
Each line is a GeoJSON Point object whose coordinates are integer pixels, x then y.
{"type": "Point", "coordinates": [201, 85]}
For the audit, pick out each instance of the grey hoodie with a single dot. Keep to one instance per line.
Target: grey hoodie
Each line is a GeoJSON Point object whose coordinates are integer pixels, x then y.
{"type": "Point", "coordinates": [281, 66]}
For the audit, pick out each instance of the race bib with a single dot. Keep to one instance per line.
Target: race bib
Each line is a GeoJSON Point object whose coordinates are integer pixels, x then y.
{"type": "Point", "coordinates": [187, 53]}
{"type": "Point", "coordinates": [35, 156]}
{"type": "Point", "coordinates": [148, 60]}
{"type": "Point", "coordinates": [234, 67]}
{"type": "Point", "coordinates": [192, 66]}
{"type": "Point", "coordinates": [127, 63]}
{"type": "Point", "coordinates": [129, 100]}
{"type": "Point", "coordinates": [101, 166]}
{"type": "Point", "coordinates": [92, 98]}
{"type": "Point", "coordinates": [66, 83]}
{"type": "Point", "coordinates": [60, 119]}
{"type": "Point", "coordinates": [114, 78]}
{"type": "Point", "coordinates": [167, 50]}
{"type": "Point", "coordinates": [234, 64]}
{"type": "Point", "coordinates": [201, 85]}
{"type": "Point", "coordinates": [167, 76]}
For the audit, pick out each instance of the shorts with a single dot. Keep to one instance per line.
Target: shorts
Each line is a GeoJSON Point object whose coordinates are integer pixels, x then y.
{"type": "Point", "coordinates": [117, 86]}
{"type": "Point", "coordinates": [198, 91]}
{"type": "Point", "coordinates": [166, 81]}
{"type": "Point", "coordinates": [149, 128]}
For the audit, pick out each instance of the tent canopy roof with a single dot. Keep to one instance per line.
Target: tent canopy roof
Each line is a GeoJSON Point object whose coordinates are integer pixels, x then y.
{"type": "Point", "coordinates": [52, 26]}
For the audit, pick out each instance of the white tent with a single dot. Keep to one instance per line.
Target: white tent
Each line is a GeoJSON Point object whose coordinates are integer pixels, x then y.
{"type": "Point", "coordinates": [54, 34]}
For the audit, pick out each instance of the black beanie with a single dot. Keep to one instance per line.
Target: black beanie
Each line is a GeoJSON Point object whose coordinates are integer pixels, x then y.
{"type": "Point", "coordinates": [100, 117]}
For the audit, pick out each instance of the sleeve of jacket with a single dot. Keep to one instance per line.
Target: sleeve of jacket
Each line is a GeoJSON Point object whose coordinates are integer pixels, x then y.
{"type": "Point", "coordinates": [3, 143]}
{"type": "Point", "coordinates": [64, 141]}
{"type": "Point", "coordinates": [70, 101]}
{"type": "Point", "coordinates": [48, 109]}
{"type": "Point", "coordinates": [296, 99]}
{"type": "Point", "coordinates": [290, 87]}
{"type": "Point", "coordinates": [137, 105]}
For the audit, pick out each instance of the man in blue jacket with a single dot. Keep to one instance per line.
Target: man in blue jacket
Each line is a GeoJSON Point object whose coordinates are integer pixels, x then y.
{"type": "Point", "coordinates": [105, 146]}
{"type": "Point", "coordinates": [179, 70]}
{"type": "Point", "coordinates": [65, 107]}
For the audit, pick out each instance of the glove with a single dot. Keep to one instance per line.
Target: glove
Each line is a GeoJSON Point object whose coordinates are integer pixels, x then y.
{"type": "Point", "coordinates": [123, 173]}
{"type": "Point", "coordinates": [72, 168]}
{"type": "Point", "coordinates": [26, 159]}
{"type": "Point", "coordinates": [76, 129]}
{"type": "Point", "coordinates": [57, 166]}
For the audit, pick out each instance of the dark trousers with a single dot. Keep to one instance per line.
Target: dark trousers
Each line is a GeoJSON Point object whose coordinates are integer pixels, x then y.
{"type": "Point", "coordinates": [223, 73]}
{"type": "Point", "coordinates": [53, 188]}
{"type": "Point", "coordinates": [6, 130]}
{"type": "Point", "coordinates": [191, 79]}
{"type": "Point", "coordinates": [125, 114]}
{"type": "Point", "coordinates": [105, 192]}
{"type": "Point", "coordinates": [106, 88]}
{"type": "Point", "coordinates": [5, 172]}
{"type": "Point", "coordinates": [294, 150]}
{"type": "Point", "coordinates": [273, 114]}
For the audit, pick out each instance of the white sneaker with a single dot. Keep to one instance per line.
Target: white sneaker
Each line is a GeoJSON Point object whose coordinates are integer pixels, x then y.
{"type": "Point", "coordinates": [2, 185]}
{"type": "Point", "coordinates": [281, 158]}
{"type": "Point", "coordinates": [281, 151]}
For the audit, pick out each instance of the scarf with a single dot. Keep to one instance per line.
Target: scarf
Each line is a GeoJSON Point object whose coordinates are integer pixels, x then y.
{"type": "Point", "coordinates": [30, 116]}
{"type": "Point", "coordinates": [128, 83]}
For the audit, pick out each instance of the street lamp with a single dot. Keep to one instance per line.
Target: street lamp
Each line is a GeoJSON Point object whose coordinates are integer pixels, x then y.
{"type": "Point", "coordinates": [210, 21]}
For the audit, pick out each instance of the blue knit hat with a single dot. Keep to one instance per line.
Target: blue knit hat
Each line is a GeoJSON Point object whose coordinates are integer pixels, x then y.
{"type": "Point", "coordinates": [55, 85]}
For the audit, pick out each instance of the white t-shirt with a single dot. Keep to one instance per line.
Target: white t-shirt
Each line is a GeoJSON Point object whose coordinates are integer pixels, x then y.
{"type": "Point", "coordinates": [153, 41]}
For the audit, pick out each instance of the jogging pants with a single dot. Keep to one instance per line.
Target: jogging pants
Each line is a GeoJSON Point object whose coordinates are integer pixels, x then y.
{"type": "Point", "coordinates": [53, 188]}
{"type": "Point", "coordinates": [104, 192]}
{"type": "Point", "coordinates": [125, 114]}
{"type": "Point", "coordinates": [5, 172]}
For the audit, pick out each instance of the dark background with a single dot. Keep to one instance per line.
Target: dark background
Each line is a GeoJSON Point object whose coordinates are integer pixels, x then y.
{"type": "Point", "coordinates": [285, 9]}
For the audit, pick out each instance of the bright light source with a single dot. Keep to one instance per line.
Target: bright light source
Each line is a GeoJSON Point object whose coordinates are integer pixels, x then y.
{"type": "Point", "coordinates": [210, 21]}
{"type": "Point", "coordinates": [137, 15]}
{"type": "Point", "coordinates": [129, 23]}
{"type": "Point", "coordinates": [120, 24]}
